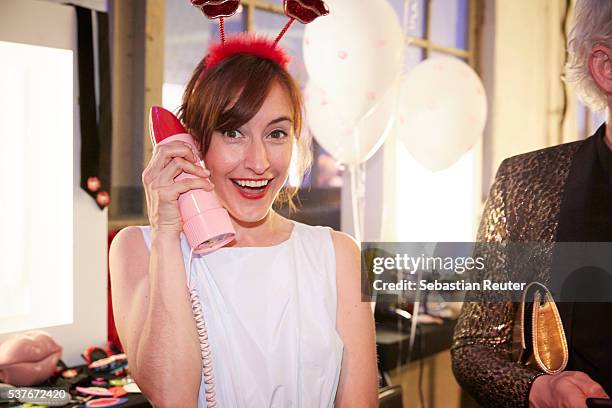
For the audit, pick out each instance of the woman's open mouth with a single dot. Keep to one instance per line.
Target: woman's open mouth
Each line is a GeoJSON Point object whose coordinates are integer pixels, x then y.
{"type": "Point", "coordinates": [253, 189]}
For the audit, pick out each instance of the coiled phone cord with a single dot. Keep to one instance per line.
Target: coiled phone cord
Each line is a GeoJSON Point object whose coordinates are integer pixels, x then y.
{"type": "Point", "coordinates": [207, 368]}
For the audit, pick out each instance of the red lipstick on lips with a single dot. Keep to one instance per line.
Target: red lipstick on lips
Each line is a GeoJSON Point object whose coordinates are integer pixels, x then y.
{"type": "Point", "coordinates": [252, 195]}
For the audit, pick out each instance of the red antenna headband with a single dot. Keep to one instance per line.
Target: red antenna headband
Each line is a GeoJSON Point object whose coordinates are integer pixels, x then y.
{"type": "Point", "coordinates": [305, 11]}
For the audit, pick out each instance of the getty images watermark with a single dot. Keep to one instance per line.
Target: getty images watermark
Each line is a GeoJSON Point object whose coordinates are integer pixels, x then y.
{"type": "Point", "coordinates": [458, 271]}
{"type": "Point", "coordinates": [405, 263]}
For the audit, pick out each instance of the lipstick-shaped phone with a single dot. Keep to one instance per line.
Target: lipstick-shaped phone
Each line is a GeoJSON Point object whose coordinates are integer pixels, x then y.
{"type": "Point", "coordinates": [206, 223]}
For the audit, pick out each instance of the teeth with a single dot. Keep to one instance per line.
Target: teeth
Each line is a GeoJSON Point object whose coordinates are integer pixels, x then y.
{"type": "Point", "coordinates": [252, 183]}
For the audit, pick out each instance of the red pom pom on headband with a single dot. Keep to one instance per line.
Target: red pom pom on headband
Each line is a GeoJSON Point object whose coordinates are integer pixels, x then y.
{"type": "Point", "coordinates": [247, 44]}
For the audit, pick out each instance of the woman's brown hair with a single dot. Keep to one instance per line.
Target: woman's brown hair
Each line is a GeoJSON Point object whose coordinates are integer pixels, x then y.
{"type": "Point", "coordinates": [210, 92]}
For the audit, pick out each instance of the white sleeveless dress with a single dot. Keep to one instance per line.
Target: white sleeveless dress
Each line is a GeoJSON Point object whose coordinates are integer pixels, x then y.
{"type": "Point", "coordinates": [271, 319]}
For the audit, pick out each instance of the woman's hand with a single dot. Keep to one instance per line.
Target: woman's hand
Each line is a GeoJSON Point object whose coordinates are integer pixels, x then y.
{"type": "Point", "coordinates": [567, 389]}
{"type": "Point", "coordinates": [162, 192]}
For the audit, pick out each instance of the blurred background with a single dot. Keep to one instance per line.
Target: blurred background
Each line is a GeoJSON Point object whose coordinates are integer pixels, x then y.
{"type": "Point", "coordinates": [54, 236]}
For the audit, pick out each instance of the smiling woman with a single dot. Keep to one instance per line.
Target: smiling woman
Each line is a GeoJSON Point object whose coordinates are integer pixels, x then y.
{"type": "Point", "coordinates": [283, 322]}
{"type": "Point", "coordinates": [219, 101]}
{"type": "Point", "coordinates": [253, 162]}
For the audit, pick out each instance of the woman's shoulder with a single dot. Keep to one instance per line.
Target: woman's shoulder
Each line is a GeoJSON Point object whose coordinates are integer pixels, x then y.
{"type": "Point", "coordinates": [344, 241]}
{"type": "Point", "coordinates": [128, 239]}
{"type": "Point", "coordinates": [343, 244]}
{"type": "Point", "coordinates": [346, 249]}
{"type": "Point", "coordinates": [128, 252]}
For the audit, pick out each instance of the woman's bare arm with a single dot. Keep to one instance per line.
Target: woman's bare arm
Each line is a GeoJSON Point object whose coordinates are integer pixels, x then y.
{"type": "Point", "coordinates": [358, 386]}
{"type": "Point", "coordinates": [154, 317]}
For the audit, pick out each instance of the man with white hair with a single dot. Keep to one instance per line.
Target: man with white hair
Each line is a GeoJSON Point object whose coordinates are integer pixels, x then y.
{"type": "Point", "coordinates": [558, 194]}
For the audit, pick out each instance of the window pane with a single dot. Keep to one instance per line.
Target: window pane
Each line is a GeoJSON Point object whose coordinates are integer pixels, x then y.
{"type": "Point", "coordinates": [411, 14]}
{"type": "Point", "coordinates": [36, 174]}
{"type": "Point", "coordinates": [188, 33]}
{"type": "Point", "coordinates": [435, 206]}
{"type": "Point", "coordinates": [271, 24]}
{"type": "Point", "coordinates": [449, 23]}
{"type": "Point", "coordinates": [413, 56]}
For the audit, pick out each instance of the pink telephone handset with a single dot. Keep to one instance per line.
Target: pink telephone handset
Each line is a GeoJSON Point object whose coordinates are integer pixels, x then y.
{"type": "Point", "coordinates": [206, 223]}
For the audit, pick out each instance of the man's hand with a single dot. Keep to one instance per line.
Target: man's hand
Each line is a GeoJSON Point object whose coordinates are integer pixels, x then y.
{"type": "Point", "coordinates": [568, 389]}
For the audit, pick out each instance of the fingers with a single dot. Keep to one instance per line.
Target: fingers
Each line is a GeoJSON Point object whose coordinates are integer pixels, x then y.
{"type": "Point", "coordinates": [163, 154]}
{"type": "Point", "coordinates": [595, 391]}
{"type": "Point", "coordinates": [177, 166]}
{"type": "Point", "coordinates": [171, 192]}
{"type": "Point", "coordinates": [574, 400]}
{"type": "Point", "coordinates": [568, 389]}
{"type": "Point", "coordinates": [587, 386]}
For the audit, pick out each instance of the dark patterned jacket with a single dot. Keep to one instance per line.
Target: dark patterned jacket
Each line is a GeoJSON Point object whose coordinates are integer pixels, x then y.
{"type": "Point", "coordinates": [534, 198]}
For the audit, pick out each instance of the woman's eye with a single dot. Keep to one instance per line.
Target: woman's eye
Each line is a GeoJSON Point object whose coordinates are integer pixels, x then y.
{"type": "Point", "coordinates": [232, 134]}
{"type": "Point", "coordinates": [278, 134]}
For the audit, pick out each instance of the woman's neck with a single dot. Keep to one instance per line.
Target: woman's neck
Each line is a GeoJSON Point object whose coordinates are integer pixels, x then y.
{"type": "Point", "coordinates": [271, 230]}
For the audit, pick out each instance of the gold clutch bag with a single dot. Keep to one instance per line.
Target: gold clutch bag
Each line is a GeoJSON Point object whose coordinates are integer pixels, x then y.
{"type": "Point", "coordinates": [539, 338]}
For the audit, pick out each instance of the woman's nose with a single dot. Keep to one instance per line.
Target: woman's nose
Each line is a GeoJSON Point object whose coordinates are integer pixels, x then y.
{"type": "Point", "coordinates": [257, 156]}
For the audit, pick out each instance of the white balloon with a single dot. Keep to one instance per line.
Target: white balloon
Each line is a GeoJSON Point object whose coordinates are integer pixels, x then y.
{"type": "Point", "coordinates": [442, 111]}
{"type": "Point", "coordinates": [346, 142]}
{"type": "Point", "coordinates": [355, 54]}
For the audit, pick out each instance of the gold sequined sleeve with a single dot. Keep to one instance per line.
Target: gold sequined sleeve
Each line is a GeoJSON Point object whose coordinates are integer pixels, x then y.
{"type": "Point", "coordinates": [481, 351]}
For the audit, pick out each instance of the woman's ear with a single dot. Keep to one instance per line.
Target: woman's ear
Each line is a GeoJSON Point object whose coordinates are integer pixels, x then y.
{"type": "Point", "coordinates": [600, 65]}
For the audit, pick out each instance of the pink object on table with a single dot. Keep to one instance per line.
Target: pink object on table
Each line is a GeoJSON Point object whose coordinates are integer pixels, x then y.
{"type": "Point", "coordinates": [28, 358]}
{"type": "Point", "coordinates": [95, 391]}
{"type": "Point", "coordinates": [206, 223]}
{"type": "Point", "coordinates": [106, 402]}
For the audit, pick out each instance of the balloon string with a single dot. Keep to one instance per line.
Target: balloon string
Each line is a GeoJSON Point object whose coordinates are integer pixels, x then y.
{"type": "Point", "coordinates": [360, 203]}
{"type": "Point", "coordinates": [356, 201]}
{"type": "Point", "coordinates": [198, 315]}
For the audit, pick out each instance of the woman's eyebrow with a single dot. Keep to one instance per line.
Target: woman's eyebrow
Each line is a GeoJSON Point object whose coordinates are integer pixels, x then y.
{"type": "Point", "coordinates": [281, 119]}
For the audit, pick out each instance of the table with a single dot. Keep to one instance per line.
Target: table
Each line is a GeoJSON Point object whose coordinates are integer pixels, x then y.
{"type": "Point", "coordinates": [393, 344]}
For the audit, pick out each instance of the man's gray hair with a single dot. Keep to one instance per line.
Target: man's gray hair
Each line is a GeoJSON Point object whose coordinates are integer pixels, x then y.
{"type": "Point", "coordinates": [592, 26]}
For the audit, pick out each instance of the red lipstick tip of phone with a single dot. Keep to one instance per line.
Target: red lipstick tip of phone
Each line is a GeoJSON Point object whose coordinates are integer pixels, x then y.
{"type": "Point", "coordinates": [164, 124]}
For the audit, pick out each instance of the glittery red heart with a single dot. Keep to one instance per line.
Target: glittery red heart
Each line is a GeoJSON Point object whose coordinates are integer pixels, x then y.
{"type": "Point", "coordinates": [305, 11]}
{"type": "Point", "coordinates": [217, 8]}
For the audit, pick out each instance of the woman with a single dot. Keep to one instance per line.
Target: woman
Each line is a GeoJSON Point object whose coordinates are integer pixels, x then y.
{"type": "Point", "coordinates": [282, 302]}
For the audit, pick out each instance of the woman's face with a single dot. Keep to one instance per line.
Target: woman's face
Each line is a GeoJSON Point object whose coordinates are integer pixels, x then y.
{"type": "Point", "coordinates": [250, 165]}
